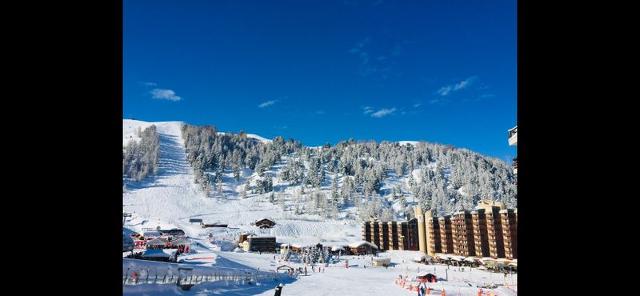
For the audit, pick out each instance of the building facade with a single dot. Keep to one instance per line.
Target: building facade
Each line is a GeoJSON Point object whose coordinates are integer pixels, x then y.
{"type": "Point", "coordinates": [488, 231]}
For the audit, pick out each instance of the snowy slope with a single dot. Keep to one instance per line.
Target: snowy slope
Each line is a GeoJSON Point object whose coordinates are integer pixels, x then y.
{"type": "Point", "coordinates": [130, 130]}
{"type": "Point", "coordinates": [170, 198]}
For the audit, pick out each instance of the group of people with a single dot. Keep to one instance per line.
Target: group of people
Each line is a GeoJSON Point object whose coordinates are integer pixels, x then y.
{"type": "Point", "coordinates": [182, 249]}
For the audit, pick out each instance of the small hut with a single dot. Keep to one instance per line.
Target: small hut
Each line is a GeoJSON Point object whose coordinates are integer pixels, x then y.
{"type": "Point", "coordinates": [363, 248]}
{"type": "Point", "coordinates": [265, 223]}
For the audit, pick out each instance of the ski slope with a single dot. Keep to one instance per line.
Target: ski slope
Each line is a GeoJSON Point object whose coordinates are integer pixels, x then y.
{"type": "Point", "coordinates": [171, 198]}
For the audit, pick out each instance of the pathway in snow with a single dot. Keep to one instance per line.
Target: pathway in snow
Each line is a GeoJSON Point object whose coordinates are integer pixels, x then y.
{"type": "Point", "coordinates": [171, 193]}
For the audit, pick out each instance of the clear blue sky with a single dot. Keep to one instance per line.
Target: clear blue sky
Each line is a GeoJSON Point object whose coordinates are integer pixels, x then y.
{"type": "Point", "coordinates": [325, 71]}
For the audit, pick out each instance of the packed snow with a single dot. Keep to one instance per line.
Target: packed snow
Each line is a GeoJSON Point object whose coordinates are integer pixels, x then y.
{"type": "Point", "coordinates": [360, 278]}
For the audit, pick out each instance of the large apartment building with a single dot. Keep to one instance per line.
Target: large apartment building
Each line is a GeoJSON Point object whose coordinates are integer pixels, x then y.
{"type": "Point", "coordinates": [488, 231]}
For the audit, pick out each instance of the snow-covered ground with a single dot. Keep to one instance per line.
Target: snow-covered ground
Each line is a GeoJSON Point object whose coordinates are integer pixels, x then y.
{"type": "Point", "coordinates": [359, 279]}
{"type": "Point", "coordinates": [170, 198]}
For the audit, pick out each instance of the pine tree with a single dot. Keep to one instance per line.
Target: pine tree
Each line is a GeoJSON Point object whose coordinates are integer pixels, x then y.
{"type": "Point", "coordinates": [335, 197]}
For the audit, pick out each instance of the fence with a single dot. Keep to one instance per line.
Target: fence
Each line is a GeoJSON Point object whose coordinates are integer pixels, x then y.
{"type": "Point", "coordinates": [235, 276]}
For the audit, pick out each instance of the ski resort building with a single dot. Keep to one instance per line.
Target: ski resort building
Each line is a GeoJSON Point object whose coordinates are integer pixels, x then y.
{"type": "Point", "coordinates": [513, 141]}
{"type": "Point", "coordinates": [488, 231]}
{"type": "Point", "coordinates": [394, 235]}
{"type": "Point", "coordinates": [265, 223]}
{"type": "Point", "coordinates": [261, 244]}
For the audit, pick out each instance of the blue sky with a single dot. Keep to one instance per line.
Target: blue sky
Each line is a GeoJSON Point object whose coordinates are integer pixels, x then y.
{"type": "Point", "coordinates": [325, 71]}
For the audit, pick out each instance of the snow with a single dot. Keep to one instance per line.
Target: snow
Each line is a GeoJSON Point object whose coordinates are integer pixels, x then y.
{"type": "Point", "coordinates": [361, 278]}
{"type": "Point", "coordinates": [412, 143]}
{"type": "Point", "coordinates": [170, 198]}
{"type": "Point", "coordinates": [262, 139]}
{"type": "Point", "coordinates": [362, 243]}
{"type": "Point", "coordinates": [130, 130]}
{"type": "Point", "coordinates": [252, 136]}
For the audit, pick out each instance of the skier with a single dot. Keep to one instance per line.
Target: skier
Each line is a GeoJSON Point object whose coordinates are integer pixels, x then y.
{"type": "Point", "coordinates": [422, 289]}
{"type": "Point", "coordinates": [278, 290]}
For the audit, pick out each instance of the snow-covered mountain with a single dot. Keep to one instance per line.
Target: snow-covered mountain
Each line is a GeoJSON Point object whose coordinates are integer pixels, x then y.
{"type": "Point", "coordinates": [313, 193]}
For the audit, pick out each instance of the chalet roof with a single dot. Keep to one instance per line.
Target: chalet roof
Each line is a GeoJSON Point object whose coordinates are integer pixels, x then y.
{"type": "Point", "coordinates": [157, 242]}
{"type": "Point", "coordinates": [265, 220]}
{"type": "Point", "coordinates": [362, 244]}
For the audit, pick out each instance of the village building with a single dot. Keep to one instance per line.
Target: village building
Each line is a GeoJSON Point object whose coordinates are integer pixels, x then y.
{"type": "Point", "coordinates": [148, 235]}
{"type": "Point", "coordinates": [172, 232]}
{"type": "Point", "coordinates": [265, 223]}
{"type": "Point", "coordinates": [158, 243]}
{"type": "Point", "coordinates": [363, 248]}
{"type": "Point", "coordinates": [260, 244]}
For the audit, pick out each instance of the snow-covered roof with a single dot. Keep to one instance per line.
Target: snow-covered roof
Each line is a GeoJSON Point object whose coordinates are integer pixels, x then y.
{"type": "Point", "coordinates": [157, 242]}
{"type": "Point", "coordinates": [159, 253]}
{"type": "Point", "coordinates": [303, 245]}
{"type": "Point", "coordinates": [151, 233]}
{"type": "Point", "coordinates": [457, 258]}
{"type": "Point", "coordinates": [361, 244]}
{"type": "Point", "coordinates": [181, 241]}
